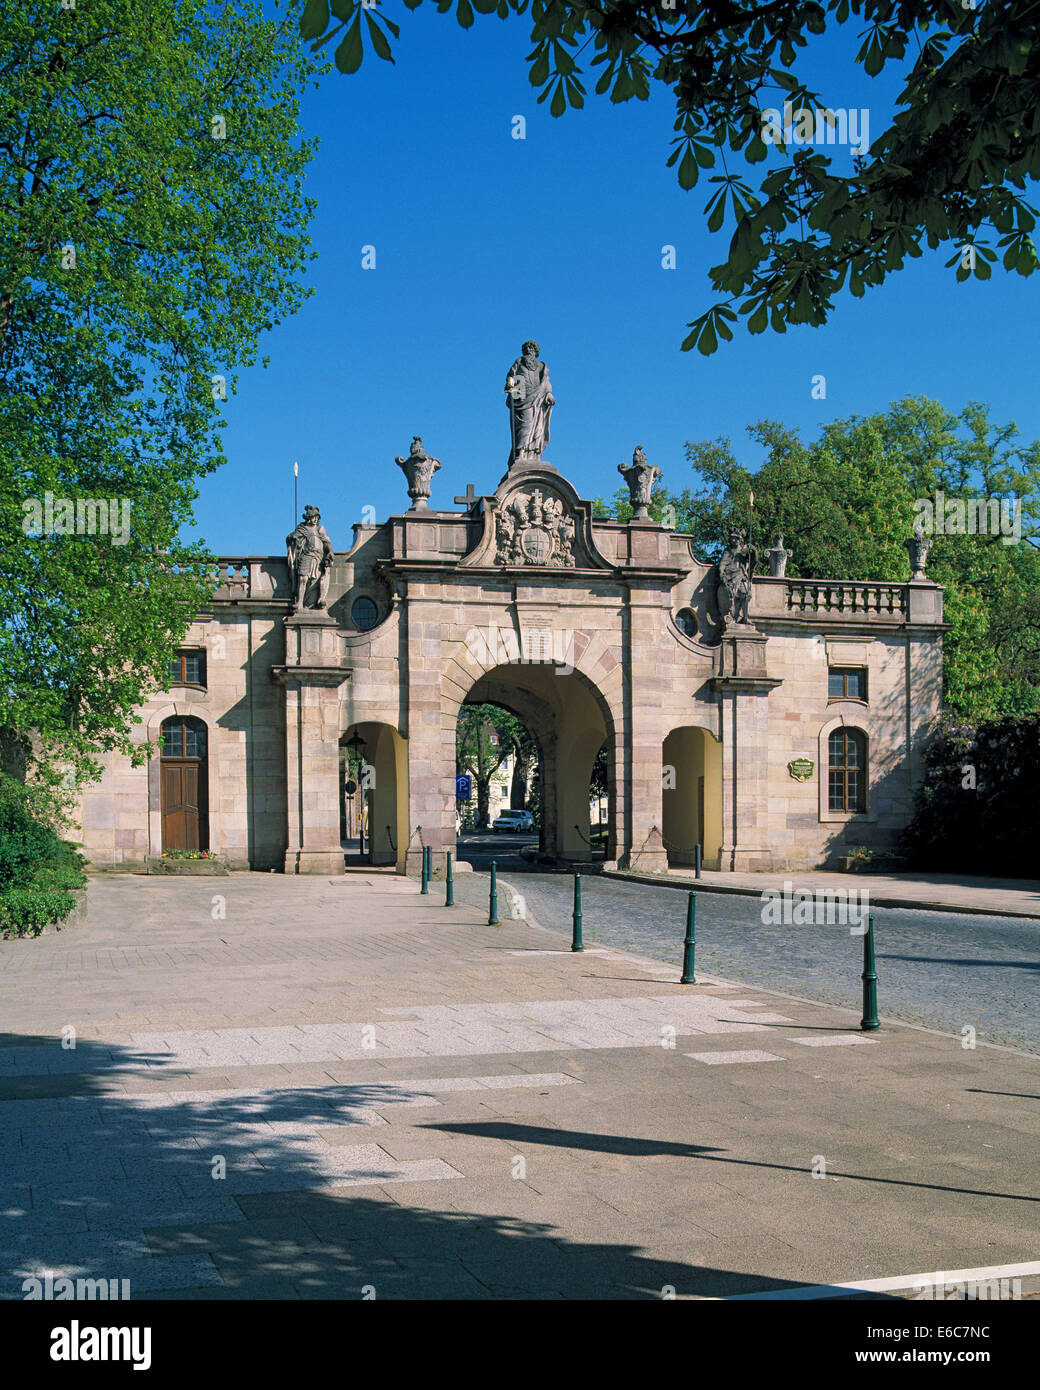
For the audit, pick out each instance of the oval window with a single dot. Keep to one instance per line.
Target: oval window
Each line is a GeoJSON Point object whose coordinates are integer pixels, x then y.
{"type": "Point", "coordinates": [364, 614]}
{"type": "Point", "coordinates": [686, 622]}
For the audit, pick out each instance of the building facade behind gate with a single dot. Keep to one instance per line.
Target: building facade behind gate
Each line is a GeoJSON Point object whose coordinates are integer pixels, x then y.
{"type": "Point", "coordinates": [779, 738]}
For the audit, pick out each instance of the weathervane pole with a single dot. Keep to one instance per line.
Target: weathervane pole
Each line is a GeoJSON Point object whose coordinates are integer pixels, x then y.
{"type": "Point", "coordinates": [295, 506]}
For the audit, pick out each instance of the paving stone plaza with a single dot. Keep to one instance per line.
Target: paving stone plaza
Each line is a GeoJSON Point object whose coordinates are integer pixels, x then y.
{"type": "Point", "coordinates": [305, 1088]}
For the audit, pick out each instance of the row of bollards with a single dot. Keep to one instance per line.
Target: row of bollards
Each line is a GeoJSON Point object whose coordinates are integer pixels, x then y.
{"type": "Point", "coordinates": [868, 1024]}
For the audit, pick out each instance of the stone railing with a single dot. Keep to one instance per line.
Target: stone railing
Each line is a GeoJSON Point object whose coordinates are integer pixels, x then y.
{"type": "Point", "coordinates": [233, 577]}
{"type": "Point", "coordinates": [250, 577]}
{"type": "Point", "coordinates": [812, 596]}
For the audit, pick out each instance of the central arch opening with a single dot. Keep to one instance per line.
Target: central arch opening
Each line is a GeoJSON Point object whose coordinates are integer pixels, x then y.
{"type": "Point", "coordinates": [558, 728]}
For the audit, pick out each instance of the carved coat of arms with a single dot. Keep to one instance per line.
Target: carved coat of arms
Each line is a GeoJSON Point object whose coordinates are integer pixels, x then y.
{"type": "Point", "coordinates": [532, 528]}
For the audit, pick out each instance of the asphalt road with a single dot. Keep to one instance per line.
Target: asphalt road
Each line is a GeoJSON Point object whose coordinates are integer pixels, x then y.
{"type": "Point", "coordinates": [941, 969]}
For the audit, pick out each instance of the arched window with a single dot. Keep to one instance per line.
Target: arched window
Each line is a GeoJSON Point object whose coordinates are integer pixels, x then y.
{"type": "Point", "coordinates": [364, 614]}
{"type": "Point", "coordinates": [686, 622]}
{"type": "Point", "coordinates": [183, 737]}
{"type": "Point", "coordinates": [847, 770]}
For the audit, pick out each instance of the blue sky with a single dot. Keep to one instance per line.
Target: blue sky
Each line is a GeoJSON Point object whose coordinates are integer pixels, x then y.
{"type": "Point", "coordinates": [483, 241]}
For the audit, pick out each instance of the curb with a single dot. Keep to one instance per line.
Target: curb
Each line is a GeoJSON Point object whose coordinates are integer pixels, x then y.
{"type": "Point", "coordinates": [531, 921]}
{"type": "Point", "coordinates": [698, 885]}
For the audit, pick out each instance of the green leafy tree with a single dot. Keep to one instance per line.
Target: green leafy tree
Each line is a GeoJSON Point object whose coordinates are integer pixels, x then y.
{"type": "Point", "coordinates": [485, 736]}
{"type": "Point", "coordinates": [949, 170]}
{"type": "Point", "coordinates": [977, 803]}
{"type": "Point", "coordinates": [525, 758]}
{"type": "Point", "coordinates": [152, 227]}
{"type": "Point", "coordinates": [846, 505]}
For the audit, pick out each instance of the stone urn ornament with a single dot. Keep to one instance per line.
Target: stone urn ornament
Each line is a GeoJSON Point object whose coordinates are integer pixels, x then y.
{"type": "Point", "coordinates": [419, 468]}
{"type": "Point", "coordinates": [640, 477]}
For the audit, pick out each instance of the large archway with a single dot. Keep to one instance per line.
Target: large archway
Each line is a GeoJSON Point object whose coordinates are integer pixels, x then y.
{"type": "Point", "coordinates": [570, 722]}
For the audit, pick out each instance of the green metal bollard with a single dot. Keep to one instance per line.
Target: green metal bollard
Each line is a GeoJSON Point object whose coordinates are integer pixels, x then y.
{"type": "Point", "coordinates": [576, 941]}
{"type": "Point", "coordinates": [689, 942]}
{"type": "Point", "coordinates": [870, 1020]}
{"type": "Point", "coordinates": [493, 904]}
{"type": "Point", "coordinates": [449, 884]}
{"type": "Point", "coordinates": [425, 870]}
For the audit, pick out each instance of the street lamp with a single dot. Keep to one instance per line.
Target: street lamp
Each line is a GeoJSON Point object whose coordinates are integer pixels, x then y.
{"type": "Point", "coordinates": [357, 748]}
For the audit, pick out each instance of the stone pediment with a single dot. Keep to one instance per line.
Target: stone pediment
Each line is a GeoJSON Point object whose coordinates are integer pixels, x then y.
{"type": "Point", "coordinates": [536, 520]}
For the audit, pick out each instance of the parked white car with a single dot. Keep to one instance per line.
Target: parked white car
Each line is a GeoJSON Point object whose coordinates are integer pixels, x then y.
{"type": "Point", "coordinates": [513, 820]}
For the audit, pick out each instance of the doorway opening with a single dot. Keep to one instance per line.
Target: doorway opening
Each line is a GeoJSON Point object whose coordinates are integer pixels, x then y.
{"type": "Point", "coordinates": [184, 784]}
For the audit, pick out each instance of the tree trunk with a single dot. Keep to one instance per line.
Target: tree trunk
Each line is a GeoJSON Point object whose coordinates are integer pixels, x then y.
{"type": "Point", "coordinates": [523, 757]}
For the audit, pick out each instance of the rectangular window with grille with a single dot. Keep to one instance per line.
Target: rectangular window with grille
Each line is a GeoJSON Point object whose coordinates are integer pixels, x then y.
{"type": "Point", "coordinates": [847, 683]}
{"type": "Point", "coordinates": [188, 668]}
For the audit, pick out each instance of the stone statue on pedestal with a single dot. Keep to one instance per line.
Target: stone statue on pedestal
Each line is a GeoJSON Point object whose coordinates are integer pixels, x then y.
{"type": "Point", "coordinates": [733, 592]}
{"type": "Point", "coordinates": [918, 546]}
{"type": "Point", "coordinates": [530, 400]}
{"type": "Point", "coordinates": [778, 558]}
{"type": "Point", "coordinates": [640, 477]}
{"type": "Point", "coordinates": [310, 560]}
{"type": "Point", "coordinates": [419, 468]}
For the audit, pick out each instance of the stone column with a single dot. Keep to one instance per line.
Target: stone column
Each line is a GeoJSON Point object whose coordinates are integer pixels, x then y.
{"type": "Point", "coordinates": [430, 724]}
{"type": "Point", "coordinates": [640, 754]}
{"type": "Point", "coordinates": [743, 687]}
{"type": "Point", "coordinates": [312, 676]}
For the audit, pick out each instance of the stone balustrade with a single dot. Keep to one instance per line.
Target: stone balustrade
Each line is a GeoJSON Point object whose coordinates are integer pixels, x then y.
{"type": "Point", "coordinates": [250, 577]}
{"type": "Point", "coordinates": [815, 596]}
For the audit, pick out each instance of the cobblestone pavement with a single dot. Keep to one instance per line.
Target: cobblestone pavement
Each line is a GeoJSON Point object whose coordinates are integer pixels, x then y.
{"type": "Point", "coordinates": [939, 969]}
{"type": "Point", "coordinates": [268, 1087]}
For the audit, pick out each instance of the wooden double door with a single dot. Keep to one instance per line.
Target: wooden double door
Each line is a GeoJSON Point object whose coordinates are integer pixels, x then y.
{"type": "Point", "coordinates": [183, 786]}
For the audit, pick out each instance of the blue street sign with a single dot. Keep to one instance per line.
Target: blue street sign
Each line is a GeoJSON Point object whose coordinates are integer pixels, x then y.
{"type": "Point", "coordinates": [463, 788]}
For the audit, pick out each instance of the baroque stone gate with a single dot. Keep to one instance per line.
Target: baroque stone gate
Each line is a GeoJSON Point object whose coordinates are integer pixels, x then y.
{"type": "Point", "coordinates": [776, 722]}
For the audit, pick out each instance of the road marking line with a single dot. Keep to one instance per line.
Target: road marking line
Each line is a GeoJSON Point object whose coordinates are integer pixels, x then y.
{"type": "Point", "coordinates": [719, 1058]}
{"type": "Point", "coordinates": [907, 1281]}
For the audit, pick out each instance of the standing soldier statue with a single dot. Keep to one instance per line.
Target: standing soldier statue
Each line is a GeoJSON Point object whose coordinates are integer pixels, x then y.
{"type": "Point", "coordinates": [736, 566]}
{"type": "Point", "coordinates": [310, 560]}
